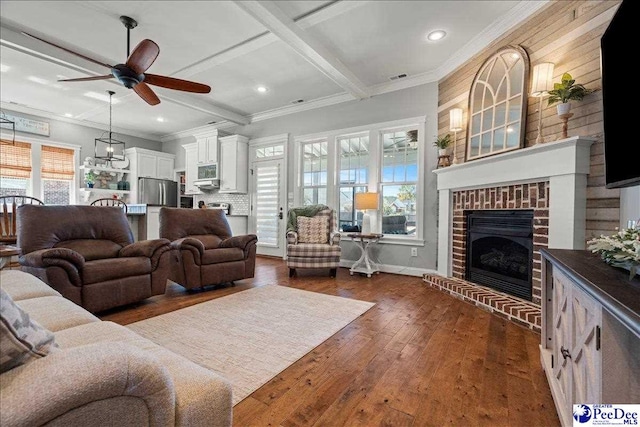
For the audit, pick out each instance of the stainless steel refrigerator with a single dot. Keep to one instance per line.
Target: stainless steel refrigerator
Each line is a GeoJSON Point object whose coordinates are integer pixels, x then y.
{"type": "Point", "coordinates": [158, 192]}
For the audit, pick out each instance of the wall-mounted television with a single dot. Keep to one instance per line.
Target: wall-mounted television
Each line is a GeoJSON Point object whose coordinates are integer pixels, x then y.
{"type": "Point", "coordinates": [621, 140]}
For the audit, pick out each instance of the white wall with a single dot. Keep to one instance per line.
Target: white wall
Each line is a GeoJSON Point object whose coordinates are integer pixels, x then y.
{"type": "Point", "coordinates": [407, 103]}
{"type": "Point", "coordinates": [629, 205]}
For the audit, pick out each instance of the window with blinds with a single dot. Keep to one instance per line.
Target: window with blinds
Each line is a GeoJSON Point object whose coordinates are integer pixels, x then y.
{"type": "Point", "coordinates": [15, 167]}
{"type": "Point", "coordinates": [57, 168]}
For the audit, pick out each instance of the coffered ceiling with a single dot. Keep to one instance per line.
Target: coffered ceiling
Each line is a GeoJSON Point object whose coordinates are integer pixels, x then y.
{"type": "Point", "coordinates": [320, 52]}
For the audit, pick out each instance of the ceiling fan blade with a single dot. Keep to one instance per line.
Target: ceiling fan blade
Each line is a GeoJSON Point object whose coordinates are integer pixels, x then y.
{"type": "Point", "coordinates": [146, 93]}
{"type": "Point", "coordinates": [88, 79]}
{"type": "Point", "coordinates": [176, 84]}
{"type": "Point", "coordinates": [143, 56]}
{"type": "Point", "coordinates": [68, 50]}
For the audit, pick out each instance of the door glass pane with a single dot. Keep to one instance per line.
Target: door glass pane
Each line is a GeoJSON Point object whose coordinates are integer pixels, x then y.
{"type": "Point", "coordinates": [266, 206]}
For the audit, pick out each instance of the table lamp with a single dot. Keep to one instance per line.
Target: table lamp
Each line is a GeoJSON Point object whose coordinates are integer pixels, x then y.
{"type": "Point", "coordinates": [455, 125]}
{"type": "Point", "coordinates": [365, 202]}
{"type": "Point", "coordinates": [541, 84]}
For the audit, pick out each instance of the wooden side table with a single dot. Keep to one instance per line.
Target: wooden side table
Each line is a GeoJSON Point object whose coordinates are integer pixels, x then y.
{"type": "Point", "coordinates": [365, 264]}
{"type": "Point", "coordinates": [6, 252]}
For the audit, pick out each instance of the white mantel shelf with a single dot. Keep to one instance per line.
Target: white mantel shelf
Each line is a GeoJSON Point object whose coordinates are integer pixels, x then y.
{"type": "Point", "coordinates": [564, 163]}
{"type": "Point", "coordinates": [531, 164]}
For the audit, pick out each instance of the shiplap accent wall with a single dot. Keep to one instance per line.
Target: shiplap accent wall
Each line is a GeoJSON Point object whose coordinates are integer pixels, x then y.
{"type": "Point", "coordinates": [566, 33]}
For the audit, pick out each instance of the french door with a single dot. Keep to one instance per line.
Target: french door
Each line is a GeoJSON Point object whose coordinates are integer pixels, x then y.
{"type": "Point", "coordinates": [268, 201]}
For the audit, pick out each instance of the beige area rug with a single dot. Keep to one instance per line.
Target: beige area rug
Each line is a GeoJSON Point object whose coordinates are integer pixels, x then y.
{"type": "Point", "coordinates": [251, 336]}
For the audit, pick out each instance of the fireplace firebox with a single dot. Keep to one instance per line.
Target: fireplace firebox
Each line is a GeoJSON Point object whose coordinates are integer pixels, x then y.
{"type": "Point", "coordinates": [500, 250]}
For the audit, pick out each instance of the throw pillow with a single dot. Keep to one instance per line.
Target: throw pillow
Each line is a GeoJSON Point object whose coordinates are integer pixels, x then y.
{"type": "Point", "coordinates": [21, 339]}
{"type": "Point", "coordinates": [313, 229]}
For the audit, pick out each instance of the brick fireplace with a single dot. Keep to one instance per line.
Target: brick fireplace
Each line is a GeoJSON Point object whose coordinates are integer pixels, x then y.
{"type": "Point", "coordinates": [549, 180]}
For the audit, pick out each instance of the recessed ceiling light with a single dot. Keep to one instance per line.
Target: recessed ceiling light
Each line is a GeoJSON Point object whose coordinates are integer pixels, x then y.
{"type": "Point", "coordinates": [101, 97]}
{"type": "Point", "coordinates": [160, 119]}
{"type": "Point", "coordinates": [436, 35]}
{"type": "Point", "coordinates": [4, 68]}
{"type": "Point", "coordinates": [68, 115]}
{"type": "Point", "coordinates": [515, 55]}
{"type": "Point", "coordinates": [38, 80]}
{"type": "Point", "coordinates": [262, 89]}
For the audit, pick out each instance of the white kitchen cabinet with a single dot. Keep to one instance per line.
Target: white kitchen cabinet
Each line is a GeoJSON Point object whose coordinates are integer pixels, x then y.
{"type": "Point", "coordinates": [234, 164]}
{"type": "Point", "coordinates": [153, 222]}
{"type": "Point", "coordinates": [208, 150]}
{"type": "Point", "coordinates": [590, 331]}
{"type": "Point", "coordinates": [165, 166]}
{"type": "Point", "coordinates": [190, 168]}
{"type": "Point", "coordinates": [145, 163]}
{"type": "Point", "coordinates": [238, 225]}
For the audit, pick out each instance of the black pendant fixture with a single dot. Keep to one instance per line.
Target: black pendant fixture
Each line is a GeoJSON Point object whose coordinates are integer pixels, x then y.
{"type": "Point", "coordinates": [7, 123]}
{"type": "Point", "coordinates": [109, 149]}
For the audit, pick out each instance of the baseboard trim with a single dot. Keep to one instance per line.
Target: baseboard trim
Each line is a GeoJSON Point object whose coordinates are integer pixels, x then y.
{"type": "Point", "coordinates": [394, 269]}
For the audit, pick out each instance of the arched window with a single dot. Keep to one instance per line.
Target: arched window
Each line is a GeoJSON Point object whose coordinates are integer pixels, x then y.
{"type": "Point", "coordinates": [497, 104]}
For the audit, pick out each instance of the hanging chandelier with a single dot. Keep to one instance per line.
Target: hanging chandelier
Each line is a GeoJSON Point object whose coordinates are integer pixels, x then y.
{"type": "Point", "coordinates": [109, 149]}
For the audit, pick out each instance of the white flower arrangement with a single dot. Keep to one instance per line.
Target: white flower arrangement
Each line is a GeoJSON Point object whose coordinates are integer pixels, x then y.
{"type": "Point", "coordinates": [619, 250]}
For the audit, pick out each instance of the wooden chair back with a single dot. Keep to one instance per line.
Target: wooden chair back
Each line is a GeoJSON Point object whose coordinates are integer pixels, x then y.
{"type": "Point", "coordinates": [8, 218]}
{"type": "Point", "coordinates": [110, 202]}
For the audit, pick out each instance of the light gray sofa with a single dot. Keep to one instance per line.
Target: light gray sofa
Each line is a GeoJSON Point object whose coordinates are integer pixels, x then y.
{"type": "Point", "coordinates": [104, 373]}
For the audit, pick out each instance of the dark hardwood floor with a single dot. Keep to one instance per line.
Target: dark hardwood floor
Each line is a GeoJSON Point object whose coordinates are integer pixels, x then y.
{"type": "Point", "coordinates": [418, 358]}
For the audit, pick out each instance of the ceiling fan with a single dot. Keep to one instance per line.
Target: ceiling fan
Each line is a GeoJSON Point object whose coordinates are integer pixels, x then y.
{"type": "Point", "coordinates": [132, 74]}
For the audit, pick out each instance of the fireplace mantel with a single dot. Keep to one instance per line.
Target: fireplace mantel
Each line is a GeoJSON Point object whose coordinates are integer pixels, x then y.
{"type": "Point", "coordinates": [564, 164]}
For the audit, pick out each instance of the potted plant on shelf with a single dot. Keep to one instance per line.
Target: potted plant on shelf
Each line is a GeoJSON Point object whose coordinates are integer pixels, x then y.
{"type": "Point", "coordinates": [90, 178]}
{"type": "Point", "coordinates": [565, 91]}
{"type": "Point", "coordinates": [443, 143]}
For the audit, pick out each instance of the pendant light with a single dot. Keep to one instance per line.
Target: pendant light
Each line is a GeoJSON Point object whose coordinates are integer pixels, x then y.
{"type": "Point", "coordinates": [5, 122]}
{"type": "Point", "coordinates": [109, 149]}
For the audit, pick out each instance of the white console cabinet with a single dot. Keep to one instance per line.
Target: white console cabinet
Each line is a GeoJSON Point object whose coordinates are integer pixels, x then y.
{"type": "Point", "coordinates": [590, 331]}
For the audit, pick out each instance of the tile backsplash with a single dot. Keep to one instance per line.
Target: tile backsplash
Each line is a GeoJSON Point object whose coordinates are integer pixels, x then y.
{"type": "Point", "coordinates": [239, 202]}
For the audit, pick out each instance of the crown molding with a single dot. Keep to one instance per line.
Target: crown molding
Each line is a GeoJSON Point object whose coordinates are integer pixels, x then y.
{"type": "Point", "coordinates": [283, 137]}
{"type": "Point", "coordinates": [308, 105]}
{"type": "Point", "coordinates": [24, 109]}
{"type": "Point", "coordinates": [200, 130]}
{"type": "Point", "coordinates": [521, 12]}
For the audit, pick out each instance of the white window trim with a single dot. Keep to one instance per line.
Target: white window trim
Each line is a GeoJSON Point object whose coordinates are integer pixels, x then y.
{"type": "Point", "coordinates": [35, 182]}
{"type": "Point", "coordinates": [375, 169]}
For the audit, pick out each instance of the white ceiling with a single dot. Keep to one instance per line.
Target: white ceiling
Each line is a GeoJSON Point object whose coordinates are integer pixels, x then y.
{"type": "Point", "coordinates": [230, 47]}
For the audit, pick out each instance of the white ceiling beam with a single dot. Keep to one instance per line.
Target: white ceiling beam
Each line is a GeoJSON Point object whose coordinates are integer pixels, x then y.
{"type": "Point", "coordinates": [264, 39]}
{"type": "Point", "coordinates": [14, 39]}
{"type": "Point", "coordinates": [276, 21]}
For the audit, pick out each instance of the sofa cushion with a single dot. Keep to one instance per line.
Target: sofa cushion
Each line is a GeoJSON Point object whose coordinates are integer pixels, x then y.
{"type": "Point", "coordinates": [209, 241]}
{"type": "Point", "coordinates": [313, 229]}
{"type": "Point", "coordinates": [216, 256]}
{"type": "Point", "coordinates": [56, 313]}
{"type": "Point", "coordinates": [115, 268]}
{"type": "Point", "coordinates": [313, 250]}
{"type": "Point", "coordinates": [21, 338]}
{"type": "Point", "coordinates": [20, 285]}
{"type": "Point", "coordinates": [92, 249]}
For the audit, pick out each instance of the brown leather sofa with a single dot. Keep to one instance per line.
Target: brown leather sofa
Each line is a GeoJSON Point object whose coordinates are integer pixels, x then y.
{"type": "Point", "coordinates": [87, 253]}
{"type": "Point", "coordinates": [206, 253]}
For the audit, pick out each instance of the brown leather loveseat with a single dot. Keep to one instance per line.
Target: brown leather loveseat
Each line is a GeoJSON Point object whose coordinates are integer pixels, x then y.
{"type": "Point", "coordinates": [205, 252]}
{"type": "Point", "coordinates": [87, 253]}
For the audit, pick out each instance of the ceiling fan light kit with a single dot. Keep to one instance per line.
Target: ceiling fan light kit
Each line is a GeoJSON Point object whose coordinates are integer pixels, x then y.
{"type": "Point", "coordinates": [132, 74]}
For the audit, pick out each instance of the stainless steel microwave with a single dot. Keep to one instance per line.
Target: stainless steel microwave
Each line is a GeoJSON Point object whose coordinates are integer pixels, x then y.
{"type": "Point", "coordinates": [208, 171]}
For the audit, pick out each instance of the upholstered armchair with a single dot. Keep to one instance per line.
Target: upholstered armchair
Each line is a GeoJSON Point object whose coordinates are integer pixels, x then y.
{"type": "Point", "coordinates": [313, 240]}
{"type": "Point", "coordinates": [87, 253]}
{"type": "Point", "coordinates": [205, 253]}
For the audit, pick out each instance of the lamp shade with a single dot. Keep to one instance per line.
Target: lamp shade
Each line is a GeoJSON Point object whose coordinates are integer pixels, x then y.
{"type": "Point", "coordinates": [455, 119]}
{"type": "Point", "coordinates": [542, 81]}
{"type": "Point", "coordinates": [366, 201]}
